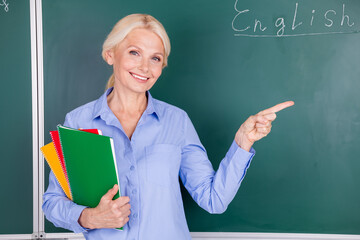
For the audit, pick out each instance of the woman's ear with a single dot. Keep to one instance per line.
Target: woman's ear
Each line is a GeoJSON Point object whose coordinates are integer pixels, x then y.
{"type": "Point", "coordinates": [109, 57]}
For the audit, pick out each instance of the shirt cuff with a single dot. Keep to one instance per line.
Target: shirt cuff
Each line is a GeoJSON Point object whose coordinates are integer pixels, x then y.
{"type": "Point", "coordinates": [235, 149]}
{"type": "Point", "coordinates": [240, 158]}
{"type": "Point", "coordinates": [74, 219]}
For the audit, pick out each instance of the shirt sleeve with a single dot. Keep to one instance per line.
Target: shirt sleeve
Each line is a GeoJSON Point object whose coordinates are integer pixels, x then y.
{"type": "Point", "coordinates": [57, 208]}
{"type": "Point", "coordinates": [213, 191]}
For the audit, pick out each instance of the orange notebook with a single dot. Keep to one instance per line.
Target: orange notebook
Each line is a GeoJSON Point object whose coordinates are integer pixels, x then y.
{"type": "Point", "coordinates": [52, 159]}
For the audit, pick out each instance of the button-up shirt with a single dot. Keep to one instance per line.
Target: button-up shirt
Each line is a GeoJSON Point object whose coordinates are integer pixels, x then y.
{"type": "Point", "coordinates": [163, 147]}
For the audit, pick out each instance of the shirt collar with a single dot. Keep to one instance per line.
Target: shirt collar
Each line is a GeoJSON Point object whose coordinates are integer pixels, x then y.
{"type": "Point", "coordinates": [151, 107]}
{"type": "Point", "coordinates": [101, 106]}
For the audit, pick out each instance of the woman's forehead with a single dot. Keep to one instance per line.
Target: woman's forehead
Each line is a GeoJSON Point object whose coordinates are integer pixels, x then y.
{"type": "Point", "coordinates": [144, 39]}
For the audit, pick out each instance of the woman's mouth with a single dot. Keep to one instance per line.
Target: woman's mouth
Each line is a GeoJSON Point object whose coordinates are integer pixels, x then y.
{"type": "Point", "coordinates": [138, 77]}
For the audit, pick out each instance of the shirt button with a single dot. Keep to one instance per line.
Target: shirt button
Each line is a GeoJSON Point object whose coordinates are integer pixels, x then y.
{"type": "Point", "coordinates": [134, 191]}
{"type": "Point", "coordinates": [132, 168]}
{"type": "Point", "coordinates": [135, 215]}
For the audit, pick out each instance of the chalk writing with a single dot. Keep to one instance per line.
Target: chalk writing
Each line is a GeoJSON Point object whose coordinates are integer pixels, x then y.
{"type": "Point", "coordinates": [260, 29]}
{"type": "Point", "coordinates": [4, 5]}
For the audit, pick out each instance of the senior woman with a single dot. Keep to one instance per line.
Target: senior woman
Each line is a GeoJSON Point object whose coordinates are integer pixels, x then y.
{"type": "Point", "coordinates": [155, 143]}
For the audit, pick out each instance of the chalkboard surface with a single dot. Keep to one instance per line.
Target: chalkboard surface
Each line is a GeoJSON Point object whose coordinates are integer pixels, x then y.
{"type": "Point", "coordinates": [16, 201]}
{"type": "Point", "coordinates": [229, 60]}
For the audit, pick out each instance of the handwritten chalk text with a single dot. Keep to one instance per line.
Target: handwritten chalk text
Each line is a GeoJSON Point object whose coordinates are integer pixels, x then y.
{"type": "Point", "coordinates": [4, 5]}
{"type": "Point", "coordinates": [259, 28]}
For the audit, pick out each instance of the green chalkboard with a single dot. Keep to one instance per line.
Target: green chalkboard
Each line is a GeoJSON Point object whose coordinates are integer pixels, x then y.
{"type": "Point", "coordinates": [229, 60]}
{"type": "Point", "coordinates": [16, 201]}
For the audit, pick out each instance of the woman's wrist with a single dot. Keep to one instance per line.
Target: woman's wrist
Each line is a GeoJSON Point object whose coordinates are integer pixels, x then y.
{"type": "Point", "coordinates": [85, 218]}
{"type": "Point", "coordinates": [243, 143]}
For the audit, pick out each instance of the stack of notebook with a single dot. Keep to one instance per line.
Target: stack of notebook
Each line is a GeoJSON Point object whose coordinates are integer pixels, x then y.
{"type": "Point", "coordinates": [83, 162]}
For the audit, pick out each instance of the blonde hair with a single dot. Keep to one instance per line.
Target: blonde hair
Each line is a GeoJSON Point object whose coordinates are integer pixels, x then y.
{"type": "Point", "coordinates": [123, 27]}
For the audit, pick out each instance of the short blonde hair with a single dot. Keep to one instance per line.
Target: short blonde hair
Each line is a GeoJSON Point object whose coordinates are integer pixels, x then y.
{"type": "Point", "coordinates": [123, 27]}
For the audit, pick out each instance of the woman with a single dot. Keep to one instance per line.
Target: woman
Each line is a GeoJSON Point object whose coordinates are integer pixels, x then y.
{"type": "Point", "coordinates": [155, 144]}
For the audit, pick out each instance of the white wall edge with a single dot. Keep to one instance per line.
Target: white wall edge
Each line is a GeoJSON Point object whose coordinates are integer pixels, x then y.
{"type": "Point", "coordinates": [64, 236]}
{"type": "Point", "coordinates": [34, 93]}
{"type": "Point", "coordinates": [236, 236]}
{"type": "Point", "coordinates": [40, 67]}
{"type": "Point", "coordinates": [16, 236]}
{"type": "Point", "coordinates": [37, 112]}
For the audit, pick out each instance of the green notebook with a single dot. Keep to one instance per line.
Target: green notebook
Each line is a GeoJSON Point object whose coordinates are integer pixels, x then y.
{"type": "Point", "coordinates": [90, 163]}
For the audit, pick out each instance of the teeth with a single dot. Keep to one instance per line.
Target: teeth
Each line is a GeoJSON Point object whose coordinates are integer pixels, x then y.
{"type": "Point", "coordinates": [141, 78]}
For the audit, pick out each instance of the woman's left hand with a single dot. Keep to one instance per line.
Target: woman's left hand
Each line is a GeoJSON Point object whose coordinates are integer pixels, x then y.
{"type": "Point", "coordinates": [258, 126]}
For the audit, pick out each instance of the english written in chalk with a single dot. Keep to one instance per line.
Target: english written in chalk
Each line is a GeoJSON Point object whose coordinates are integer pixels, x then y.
{"type": "Point", "coordinates": [328, 18]}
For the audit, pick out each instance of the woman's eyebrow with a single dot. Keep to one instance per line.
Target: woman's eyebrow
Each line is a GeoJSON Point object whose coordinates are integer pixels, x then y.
{"type": "Point", "coordinates": [156, 53]}
{"type": "Point", "coordinates": [134, 47]}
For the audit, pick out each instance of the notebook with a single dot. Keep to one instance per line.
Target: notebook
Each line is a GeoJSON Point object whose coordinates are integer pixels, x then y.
{"type": "Point", "coordinates": [56, 140]}
{"type": "Point", "coordinates": [52, 159]}
{"type": "Point", "coordinates": [90, 163]}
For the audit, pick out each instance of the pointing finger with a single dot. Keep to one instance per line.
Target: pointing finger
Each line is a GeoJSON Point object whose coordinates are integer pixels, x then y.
{"type": "Point", "coordinates": [277, 107]}
{"type": "Point", "coordinates": [270, 117]}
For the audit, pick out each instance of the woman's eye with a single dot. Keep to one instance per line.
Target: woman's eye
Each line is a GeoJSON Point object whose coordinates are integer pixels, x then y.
{"type": "Point", "coordinates": [134, 53]}
{"type": "Point", "coordinates": [156, 59]}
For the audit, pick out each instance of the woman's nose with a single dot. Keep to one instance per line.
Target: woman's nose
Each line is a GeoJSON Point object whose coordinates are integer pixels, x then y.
{"type": "Point", "coordinates": [144, 66]}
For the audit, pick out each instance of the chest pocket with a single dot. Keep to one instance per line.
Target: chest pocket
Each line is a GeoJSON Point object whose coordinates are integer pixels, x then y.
{"type": "Point", "coordinates": [163, 164]}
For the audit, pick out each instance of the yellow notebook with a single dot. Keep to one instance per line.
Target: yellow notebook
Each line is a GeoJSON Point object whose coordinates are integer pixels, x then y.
{"type": "Point", "coordinates": [52, 159]}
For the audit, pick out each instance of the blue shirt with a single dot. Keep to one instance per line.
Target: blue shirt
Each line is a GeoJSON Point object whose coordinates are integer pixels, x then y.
{"type": "Point", "coordinates": [163, 147]}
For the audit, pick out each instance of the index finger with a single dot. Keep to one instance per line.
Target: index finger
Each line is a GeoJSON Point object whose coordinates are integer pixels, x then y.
{"type": "Point", "coordinates": [278, 107]}
{"type": "Point", "coordinates": [123, 200]}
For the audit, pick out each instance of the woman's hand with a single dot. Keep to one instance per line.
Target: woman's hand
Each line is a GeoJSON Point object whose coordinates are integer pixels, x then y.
{"type": "Point", "coordinates": [258, 126]}
{"type": "Point", "coordinates": [108, 213]}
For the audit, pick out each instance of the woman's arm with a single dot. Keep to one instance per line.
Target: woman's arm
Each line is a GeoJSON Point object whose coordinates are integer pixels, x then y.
{"type": "Point", "coordinates": [59, 210]}
{"type": "Point", "coordinates": [213, 191]}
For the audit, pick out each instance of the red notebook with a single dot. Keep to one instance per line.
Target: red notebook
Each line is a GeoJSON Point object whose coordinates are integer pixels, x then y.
{"type": "Point", "coordinates": [56, 140]}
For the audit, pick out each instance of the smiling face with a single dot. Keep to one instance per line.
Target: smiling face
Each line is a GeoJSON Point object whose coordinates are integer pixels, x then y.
{"type": "Point", "coordinates": [137, 61]}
